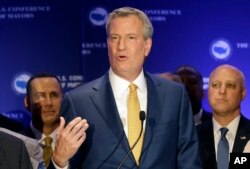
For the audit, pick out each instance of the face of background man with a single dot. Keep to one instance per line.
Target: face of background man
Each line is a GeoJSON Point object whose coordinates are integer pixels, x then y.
{"type": "Point", "coordinates": [226, 92]}
{"type": "Point", "coordinates": [44, 101]}
{"type": "Point", "coordinates": [127, 48]}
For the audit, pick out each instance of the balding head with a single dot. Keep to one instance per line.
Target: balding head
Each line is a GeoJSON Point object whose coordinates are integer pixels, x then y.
{"type": "Point", "coordinates": [226, 92]}
{"type": "Point", "coordinates": [238, 73]}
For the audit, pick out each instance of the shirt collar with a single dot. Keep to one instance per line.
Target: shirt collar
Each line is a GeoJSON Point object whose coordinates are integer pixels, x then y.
{"type": "Point", "coordinates": [40, 136]}
{"type": "Point", "coordinates": [232, 126]}
{"type": "Point", "coordinates": [120, 85]}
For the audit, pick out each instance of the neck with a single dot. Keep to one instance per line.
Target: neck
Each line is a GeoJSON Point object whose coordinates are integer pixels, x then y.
{"type": "Point", "coordinates": [47, 130]}
{"type": "Point", "coordinates": [225, 120]}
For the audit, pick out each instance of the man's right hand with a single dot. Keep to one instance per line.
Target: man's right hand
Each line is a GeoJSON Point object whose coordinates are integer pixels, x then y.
{"type": "Point", "coordinates": [69, 139]}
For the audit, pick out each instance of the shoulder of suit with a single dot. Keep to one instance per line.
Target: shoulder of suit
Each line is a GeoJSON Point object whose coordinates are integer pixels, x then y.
{"type": "Point", "coordinates": [92, 85]}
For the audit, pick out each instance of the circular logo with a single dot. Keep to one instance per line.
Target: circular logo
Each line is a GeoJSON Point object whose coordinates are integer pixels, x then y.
{"type": "Point", "coordinates": [221, 49]}
{"type": "Point", "coordinates": [19, 82]}
{"type": "Point", "coordinates": [98, 16]}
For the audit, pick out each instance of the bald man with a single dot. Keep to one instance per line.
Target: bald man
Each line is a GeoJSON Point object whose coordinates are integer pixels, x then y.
{"type": "Point", "coordinates": [225, 93]}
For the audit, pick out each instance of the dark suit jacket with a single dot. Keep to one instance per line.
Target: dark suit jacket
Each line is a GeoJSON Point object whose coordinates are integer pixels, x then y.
{"type": "Point", "coordinates": [170, 139]}
{"type": "Point", "coordinates": [28, 132]}
{"type": "Point", "coordinates": [13, 153]}
{"type": "Point", "coordinates": [206, 138]}
{"type": "Point", "coordinates": [206, 116]}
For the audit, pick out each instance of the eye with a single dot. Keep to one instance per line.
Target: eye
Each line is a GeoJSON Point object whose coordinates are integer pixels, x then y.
{"type": "Point", "coordinates": [230, 86]}
{"type": "Point", "coordinates": [113, 38]}
{"type": "Point", "coordinates": [54, 95]}
{"type": "Point", "coordinates": [131, 37]}
{"type": "Point", "coordinates": [215, 84]}
{"type": "Point", "coordinates": [39, 96]}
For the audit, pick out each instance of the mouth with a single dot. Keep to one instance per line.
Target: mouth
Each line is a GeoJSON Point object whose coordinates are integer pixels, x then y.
{"type": "Point", "coordinates": [48, 111]}
{"type": "Point", "coordinates": [122, 57]}
{"type": "Point", "coordinates": [221, 100]}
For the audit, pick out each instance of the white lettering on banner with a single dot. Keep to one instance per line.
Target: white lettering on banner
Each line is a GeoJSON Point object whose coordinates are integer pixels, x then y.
{"type": "Point", "coordinates": [163, 12]}
{"type": "Point", "coordinates": [22, 12]}
{"type": "Point", "coordinates": [242, 45]}
{"type": "Point", "coordinates": [70, 81]}
{"type": "Point", "coordinates": [160, 15]}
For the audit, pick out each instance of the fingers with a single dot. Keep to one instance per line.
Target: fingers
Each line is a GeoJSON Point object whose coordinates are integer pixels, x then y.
{"type": "Point", "coordinates": [75, 130]}
{"type": "Point", "coordinates": [72, 124]}
{"type": "Point", "coordinates": [61, 126]}
{"type": "Point", "coordinates": [79, 135]}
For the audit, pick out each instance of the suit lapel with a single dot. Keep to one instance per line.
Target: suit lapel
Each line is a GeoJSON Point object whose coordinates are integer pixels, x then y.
{"type": "Point", "coordinates": [242, 135]}
{"type": "Point", "coordinates": [103, 99]}
{"type": "Point", "coordinates": [153, 113]}
{"type": "Point", "coordinates": [209, 142]}
{"type": "Point", "coordinates": [206, 138]}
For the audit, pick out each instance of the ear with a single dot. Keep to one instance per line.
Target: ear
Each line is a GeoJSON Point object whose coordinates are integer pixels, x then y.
{"type": "Point", "coordinates": [148, 45]}
{"type": "Point", "coordinates": [243, 94]}
{"type": "Point", "coordinates": [27, 103]}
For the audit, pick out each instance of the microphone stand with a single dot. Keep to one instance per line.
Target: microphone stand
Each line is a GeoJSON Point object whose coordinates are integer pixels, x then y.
{"type": "Point", "coordinates": [142, 118]}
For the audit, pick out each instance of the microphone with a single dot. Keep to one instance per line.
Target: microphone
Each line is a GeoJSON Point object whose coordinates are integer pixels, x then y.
{"type": "Point", "coordinates": [142, 117]}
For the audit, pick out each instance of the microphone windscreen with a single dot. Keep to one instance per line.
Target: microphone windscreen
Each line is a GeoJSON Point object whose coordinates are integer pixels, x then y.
{"type": "Point", "coordinates": [142, 115]}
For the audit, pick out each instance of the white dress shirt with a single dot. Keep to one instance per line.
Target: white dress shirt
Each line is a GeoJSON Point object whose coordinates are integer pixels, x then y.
{"type": "Point", "coordinates": [120, 89]}
{"type": "Point", "coordinates": [247, 147]}
{"type": "Point", "coordinates": [232, 129]}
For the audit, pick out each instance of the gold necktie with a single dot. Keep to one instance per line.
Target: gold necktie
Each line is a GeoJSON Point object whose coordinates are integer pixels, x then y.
{"type": "Point", "coordinates": [47, 151]}
{"type": "Point", "coordinates": [134, 123]}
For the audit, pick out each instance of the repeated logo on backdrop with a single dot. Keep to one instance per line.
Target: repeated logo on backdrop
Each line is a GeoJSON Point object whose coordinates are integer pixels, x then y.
{"type": "Point", "coordinates": [221, 49]}
{"type": "Point", "coordinates": [19, 82]}
{"type": "Point", "coordinates": [98, 16]}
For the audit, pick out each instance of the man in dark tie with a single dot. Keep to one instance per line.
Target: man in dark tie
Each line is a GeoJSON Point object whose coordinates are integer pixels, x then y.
{"type": "Point", "coordinates": [228, 130]}
{"type": "Point", "coordinates": [43, 100]}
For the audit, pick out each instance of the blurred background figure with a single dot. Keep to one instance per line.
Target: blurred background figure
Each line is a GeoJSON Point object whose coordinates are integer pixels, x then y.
{"type": "Point", "coordinates": [170, 76]}
{"type": "Point", "coordinates": [193, 81]}
{"type": "Point", "coordinates": [43, 100]}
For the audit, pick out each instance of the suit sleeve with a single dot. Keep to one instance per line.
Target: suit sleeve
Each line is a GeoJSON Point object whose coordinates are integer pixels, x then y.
{"type": "Point", "coordinates": [188, 149]}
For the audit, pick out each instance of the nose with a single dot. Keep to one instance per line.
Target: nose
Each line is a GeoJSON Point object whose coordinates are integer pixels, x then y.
{"type": "Point", "coordinates": [222, 89]}
{"type": "Point", "coordinates": [122, 44]}
{"type": "Point", "coordinates": [48, 100]}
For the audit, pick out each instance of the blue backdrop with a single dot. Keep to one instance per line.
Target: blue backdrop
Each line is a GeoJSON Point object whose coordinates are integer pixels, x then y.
{"type": "Point", "coordinates": [37, 36]}
{"type": "Point", "coordinates": [203, 34]}
{"type": "Point", "coordinates": [68, 38]}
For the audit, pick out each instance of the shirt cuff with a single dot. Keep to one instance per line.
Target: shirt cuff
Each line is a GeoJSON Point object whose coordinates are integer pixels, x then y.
{"type": "Point", "coordinates": [66, 167]}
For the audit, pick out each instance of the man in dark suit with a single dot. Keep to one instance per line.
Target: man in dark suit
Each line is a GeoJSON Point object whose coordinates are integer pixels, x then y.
{"type": "Point", "coordinates": [225, 94]}
{"type": "Point", "coordinates": [192, 79]}
{"type": "Point", "coordinates": [169, 135]}
{"type": "Point", "coordinates": [13, 153]}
